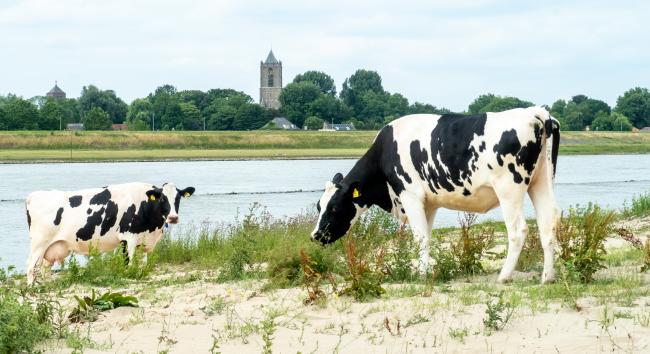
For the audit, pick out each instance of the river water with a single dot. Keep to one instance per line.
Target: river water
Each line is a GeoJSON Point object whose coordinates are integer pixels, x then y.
{"type": "Point", "coordinates": [225, 189]}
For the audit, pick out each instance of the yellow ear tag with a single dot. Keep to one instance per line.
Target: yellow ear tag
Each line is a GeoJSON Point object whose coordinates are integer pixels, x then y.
{"type": "Point", "coordinates": [355, 193]}
{"type": "Point", "coordinates": [152, 197]}
{"type": "Point", "coordinates": [186, 195]}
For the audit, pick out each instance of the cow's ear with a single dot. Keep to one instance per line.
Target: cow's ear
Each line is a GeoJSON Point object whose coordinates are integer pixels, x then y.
{"type": "Point", "coordinates": [187, 192]}
{"type": "Point", "coordinates": [337, 178]}
{"type": "Point", "coordinates": [154, 194]}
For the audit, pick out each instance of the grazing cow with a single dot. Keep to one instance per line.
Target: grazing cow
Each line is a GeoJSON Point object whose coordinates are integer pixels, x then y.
{"type": "Point", "coordinates": [473, 163]}
{"type": "Point", "coordinates": [131, 213]}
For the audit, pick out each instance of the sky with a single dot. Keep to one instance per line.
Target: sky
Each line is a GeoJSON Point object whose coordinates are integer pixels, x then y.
{"type": "Point", "coordinates": [441, 52]}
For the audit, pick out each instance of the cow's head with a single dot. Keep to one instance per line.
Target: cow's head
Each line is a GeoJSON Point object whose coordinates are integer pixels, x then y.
{"type": "Point", "coordinates": [166, 200]}
{"type": "Point", "coordinates": [337, 210]}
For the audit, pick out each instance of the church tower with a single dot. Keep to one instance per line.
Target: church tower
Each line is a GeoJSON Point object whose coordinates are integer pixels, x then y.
{"type": "Point", "coordinates": [270, 82]}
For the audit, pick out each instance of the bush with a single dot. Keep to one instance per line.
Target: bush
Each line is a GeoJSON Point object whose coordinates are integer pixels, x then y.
{"type": "Point", "coordinates": [581, 237]}
{"type": "Point", "coordinates": [463, 255]}
{"type": "Point", "coordinates": [639, 207]}
{"type": "Point", "coordinates": [23, 322]}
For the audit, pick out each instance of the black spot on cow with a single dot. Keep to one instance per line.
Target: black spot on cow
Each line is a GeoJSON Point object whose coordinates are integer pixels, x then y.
{"type": "Point", "coordinates": [89, 211]}
{"type": "Point", "coordinates": [148, 216]}
{"type": "Point", "coordinates": [101, 198]}
{"type": "Point", "coordinates": [29, 220]}
{"type": "Point", "coordinates": [528, 154]}
{"type": "Point", "coordinates": [403, 211]}
{"type": "Point", "coordinates": [481, 147]}
{"type": "Point", "coordinates": [508, 145]}
{"type": "Point", "coordinates": [453, 158]}
{"type": "Point", "coordinates": [57, 219]}
{"type": "Point", "coordinates": [466, 192]}
{"type": "Point", "coordinates": [86, 232]}
{"type": "Point", "coordinates": [110, 218]}
{"type": "Point", "coordinates": [527, 180]}
{"type": "Point", "coordinates": [517, 176]}
{"type": "Point", "coordinates": [75, 201]}
{"type": "Point", "coordinates": [384, 157]}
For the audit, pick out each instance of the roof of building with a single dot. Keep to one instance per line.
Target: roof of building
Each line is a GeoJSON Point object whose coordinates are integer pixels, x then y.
{"type": "Point", "coordinates": [270, 59]}
{"type": "Point", "coordinates": [645, 129]}
{"type": "Point", "coordinates": [283, 123]}
{"type": "Point", "coordinates": [56, 90]}
{"type": "Point", "coordinates": [343, 126]}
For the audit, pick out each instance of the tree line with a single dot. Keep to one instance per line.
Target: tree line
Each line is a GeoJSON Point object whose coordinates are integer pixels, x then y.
{"type": "Point", "coordinates": [308, 101]}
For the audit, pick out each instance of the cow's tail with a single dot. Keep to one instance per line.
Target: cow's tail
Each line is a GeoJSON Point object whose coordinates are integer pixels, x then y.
{"type": "Point", "coordinates": [552, 133]}
{"type": "Point", "coordinates": [552, 129]}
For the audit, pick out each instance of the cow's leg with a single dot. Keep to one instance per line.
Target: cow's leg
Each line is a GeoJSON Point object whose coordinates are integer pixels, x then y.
{"type": "Point", "coordinates": [33, 263]}
{"type": "Point", "coordinates": [125, 252]}
{"type": "Point", "coordinates": [547, 212]}
{"type": "Point", "coordinates": [131, 244]}
{"type": "Point", "coordinates": [511, 199]}
{"type": "Point", "coordinates": [419, 222]}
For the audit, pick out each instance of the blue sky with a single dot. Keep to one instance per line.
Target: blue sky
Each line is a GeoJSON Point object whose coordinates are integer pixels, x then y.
{"type": "Point", "coordinates": [440, 52]}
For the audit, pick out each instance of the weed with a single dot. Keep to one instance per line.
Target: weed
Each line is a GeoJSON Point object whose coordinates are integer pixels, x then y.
{"type": "Point", "coordinates": [459, 334]}
{"type": "Point", "coordinates": [364, 275]}
{"type": "Point", "coordinates": [312, 279]}
{"type": "Point", "coordinates": [463, 256]}
{"type": "Point", "coordinates": [415, 320]}
{"type": "Point", "coordinates": [216, 306]}
{"type": "Point", "coordinates": [22, 327]}
{"type": "Point", "coordinates": [531, 253]}
{"type": "Point", "coordinates": [89, 307]}
{"type": "Point", "coordinates": [268, 328]}
{"type": "Point", "coordinates": [581, 238]}
{"type": "Point", "coordinates": [498, 312]}
{"type": "Point", "coordinates": [639, 207]}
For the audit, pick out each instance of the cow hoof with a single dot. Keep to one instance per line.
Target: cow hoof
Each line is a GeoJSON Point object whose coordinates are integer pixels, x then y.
{"type": "Point", "coordinates": [548, 278]}
{"type": "Point", "coordinates": [503, 280]}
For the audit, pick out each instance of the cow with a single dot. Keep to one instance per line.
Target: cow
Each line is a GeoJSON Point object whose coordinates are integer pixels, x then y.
{"type": "Point", "coordinates": [131, 214]}
{"type": "Point", "coordinates": [474, 163]}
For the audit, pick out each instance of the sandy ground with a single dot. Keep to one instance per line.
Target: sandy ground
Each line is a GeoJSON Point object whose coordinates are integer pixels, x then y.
{"type": "Point", "coordinates": [180, 319]}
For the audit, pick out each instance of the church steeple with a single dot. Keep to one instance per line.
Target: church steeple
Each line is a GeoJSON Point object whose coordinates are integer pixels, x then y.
{"type": "Point", "coordinates": [270, 81]}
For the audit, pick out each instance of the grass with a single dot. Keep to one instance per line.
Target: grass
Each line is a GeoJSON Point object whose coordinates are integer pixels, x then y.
{"type": "Point", "coordinates": [279, 254]}
{"type": "Point", "coordinates": [142, 146]}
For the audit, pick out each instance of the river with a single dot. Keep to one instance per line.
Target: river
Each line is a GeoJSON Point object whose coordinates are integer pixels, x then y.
{"type": "Point", "coordinates": [225, 189]}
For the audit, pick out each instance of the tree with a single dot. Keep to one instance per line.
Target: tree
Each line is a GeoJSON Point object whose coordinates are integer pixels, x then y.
{"type": "Point", "coordinates": [222, 118]}
{"type": "Point", "coordinates": [326, 107]}
{"type": "Point", "coordinates": [250, 117]}
{"type": "Point", "coordinates": [635, 105]}
{"type": "Point", "coordinates": [92, 97]}
{"type": "Point", "coordinates": [373, 109]}
{"type": "Point", "coordinates": [20, 114]}
{"type": "Point", "coordinates": [397, 105]}
{"type": "Point", "coordinates": [493, 103]}
{"type": "Point", "coordinates": [313, 123]}
{"type": "Point", "coordinates": [557, 109]}
{"type": "Point", "coordinates": [358, 84]}
{"type": "Point", "coordinates": [3, 119]}
{"type": "Point", "coordinates": [192, 119]}
{"type": "Point", "coordinates": [97, 119]}
{"type": "Point", "coordinates": [140, 114]}
{"type": "Point", "coordinates": [296, 99]}
{"type": "Point", "coordinates": [573, 117]}
{"type": "Point", "coordinates": [52, 116]}
{"type": "Point", "coordinates": [418, 107]}
{"type": "Point", "coordinates": [602, 122]}
{"type": "Point", "coordinates": [590, 108]}
{"type": "Point", "coordinates": [481, 101]}
{"type": "Point", "coordinates": [166, 108]}
{"type": "Point", "coordinates": [320, 79]}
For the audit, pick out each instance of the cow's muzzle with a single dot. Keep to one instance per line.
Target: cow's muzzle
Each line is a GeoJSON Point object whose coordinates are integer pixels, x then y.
{"type": "Point", "coordinates": [172, 219]}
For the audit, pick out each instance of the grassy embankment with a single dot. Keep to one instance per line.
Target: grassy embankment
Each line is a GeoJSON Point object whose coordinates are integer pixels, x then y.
{"type": "Point", "coordinates": [261, 285]}
{"type": "Point", "coordinates": [106, 146]}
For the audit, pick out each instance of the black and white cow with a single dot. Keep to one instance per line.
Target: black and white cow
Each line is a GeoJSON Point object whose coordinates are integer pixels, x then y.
{"type": "Point", "coordinates": [473, 163]}
{"type": "Point", "coordinates": [131, 213]}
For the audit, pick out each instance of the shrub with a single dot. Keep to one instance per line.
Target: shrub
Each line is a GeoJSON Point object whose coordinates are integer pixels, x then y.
{"type": "Point", "coordinates": [463, 255]}
{"type": "Point", "coordinates": [364, 275]}
{"type": "Point", "coordinates": [639, 207]}
{"type": "Point", "coordinates": [401, 252]}
{"type": "Point", "coordinates": [498, 312]}
{"type": "Point", "coordinates": [581, 237]}
{"type": "Point", "coordinates": [532, 254]}
{"type": "Point", "coordinates": [23, 322]}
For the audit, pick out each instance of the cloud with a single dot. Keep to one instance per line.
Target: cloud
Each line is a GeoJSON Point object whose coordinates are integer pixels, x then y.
{"type": "Point", "coordinates": [441, 52]}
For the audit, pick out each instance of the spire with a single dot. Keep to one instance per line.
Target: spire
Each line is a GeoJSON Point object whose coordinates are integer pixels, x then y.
{"type": "Point", "coordinates": [270, 59]}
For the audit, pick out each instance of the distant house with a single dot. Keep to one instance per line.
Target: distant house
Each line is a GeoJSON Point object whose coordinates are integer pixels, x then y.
{"type": "Point", "coordinates": [120, 127]}
{"type": "Point", "coordinates": [645, 130]}
{"type": "Point", "coordinates": [74, 126]}
{"type": "Point", "coordinates": [56, 92]}
{"type": "Point", "coordinates": [283, 123]}
{"type": "Point", "coordinates": [338, 127]}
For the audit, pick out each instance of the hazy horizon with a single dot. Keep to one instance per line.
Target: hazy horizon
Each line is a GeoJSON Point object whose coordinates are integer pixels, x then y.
{"type": "Point", "coordinates": [445, 53]}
